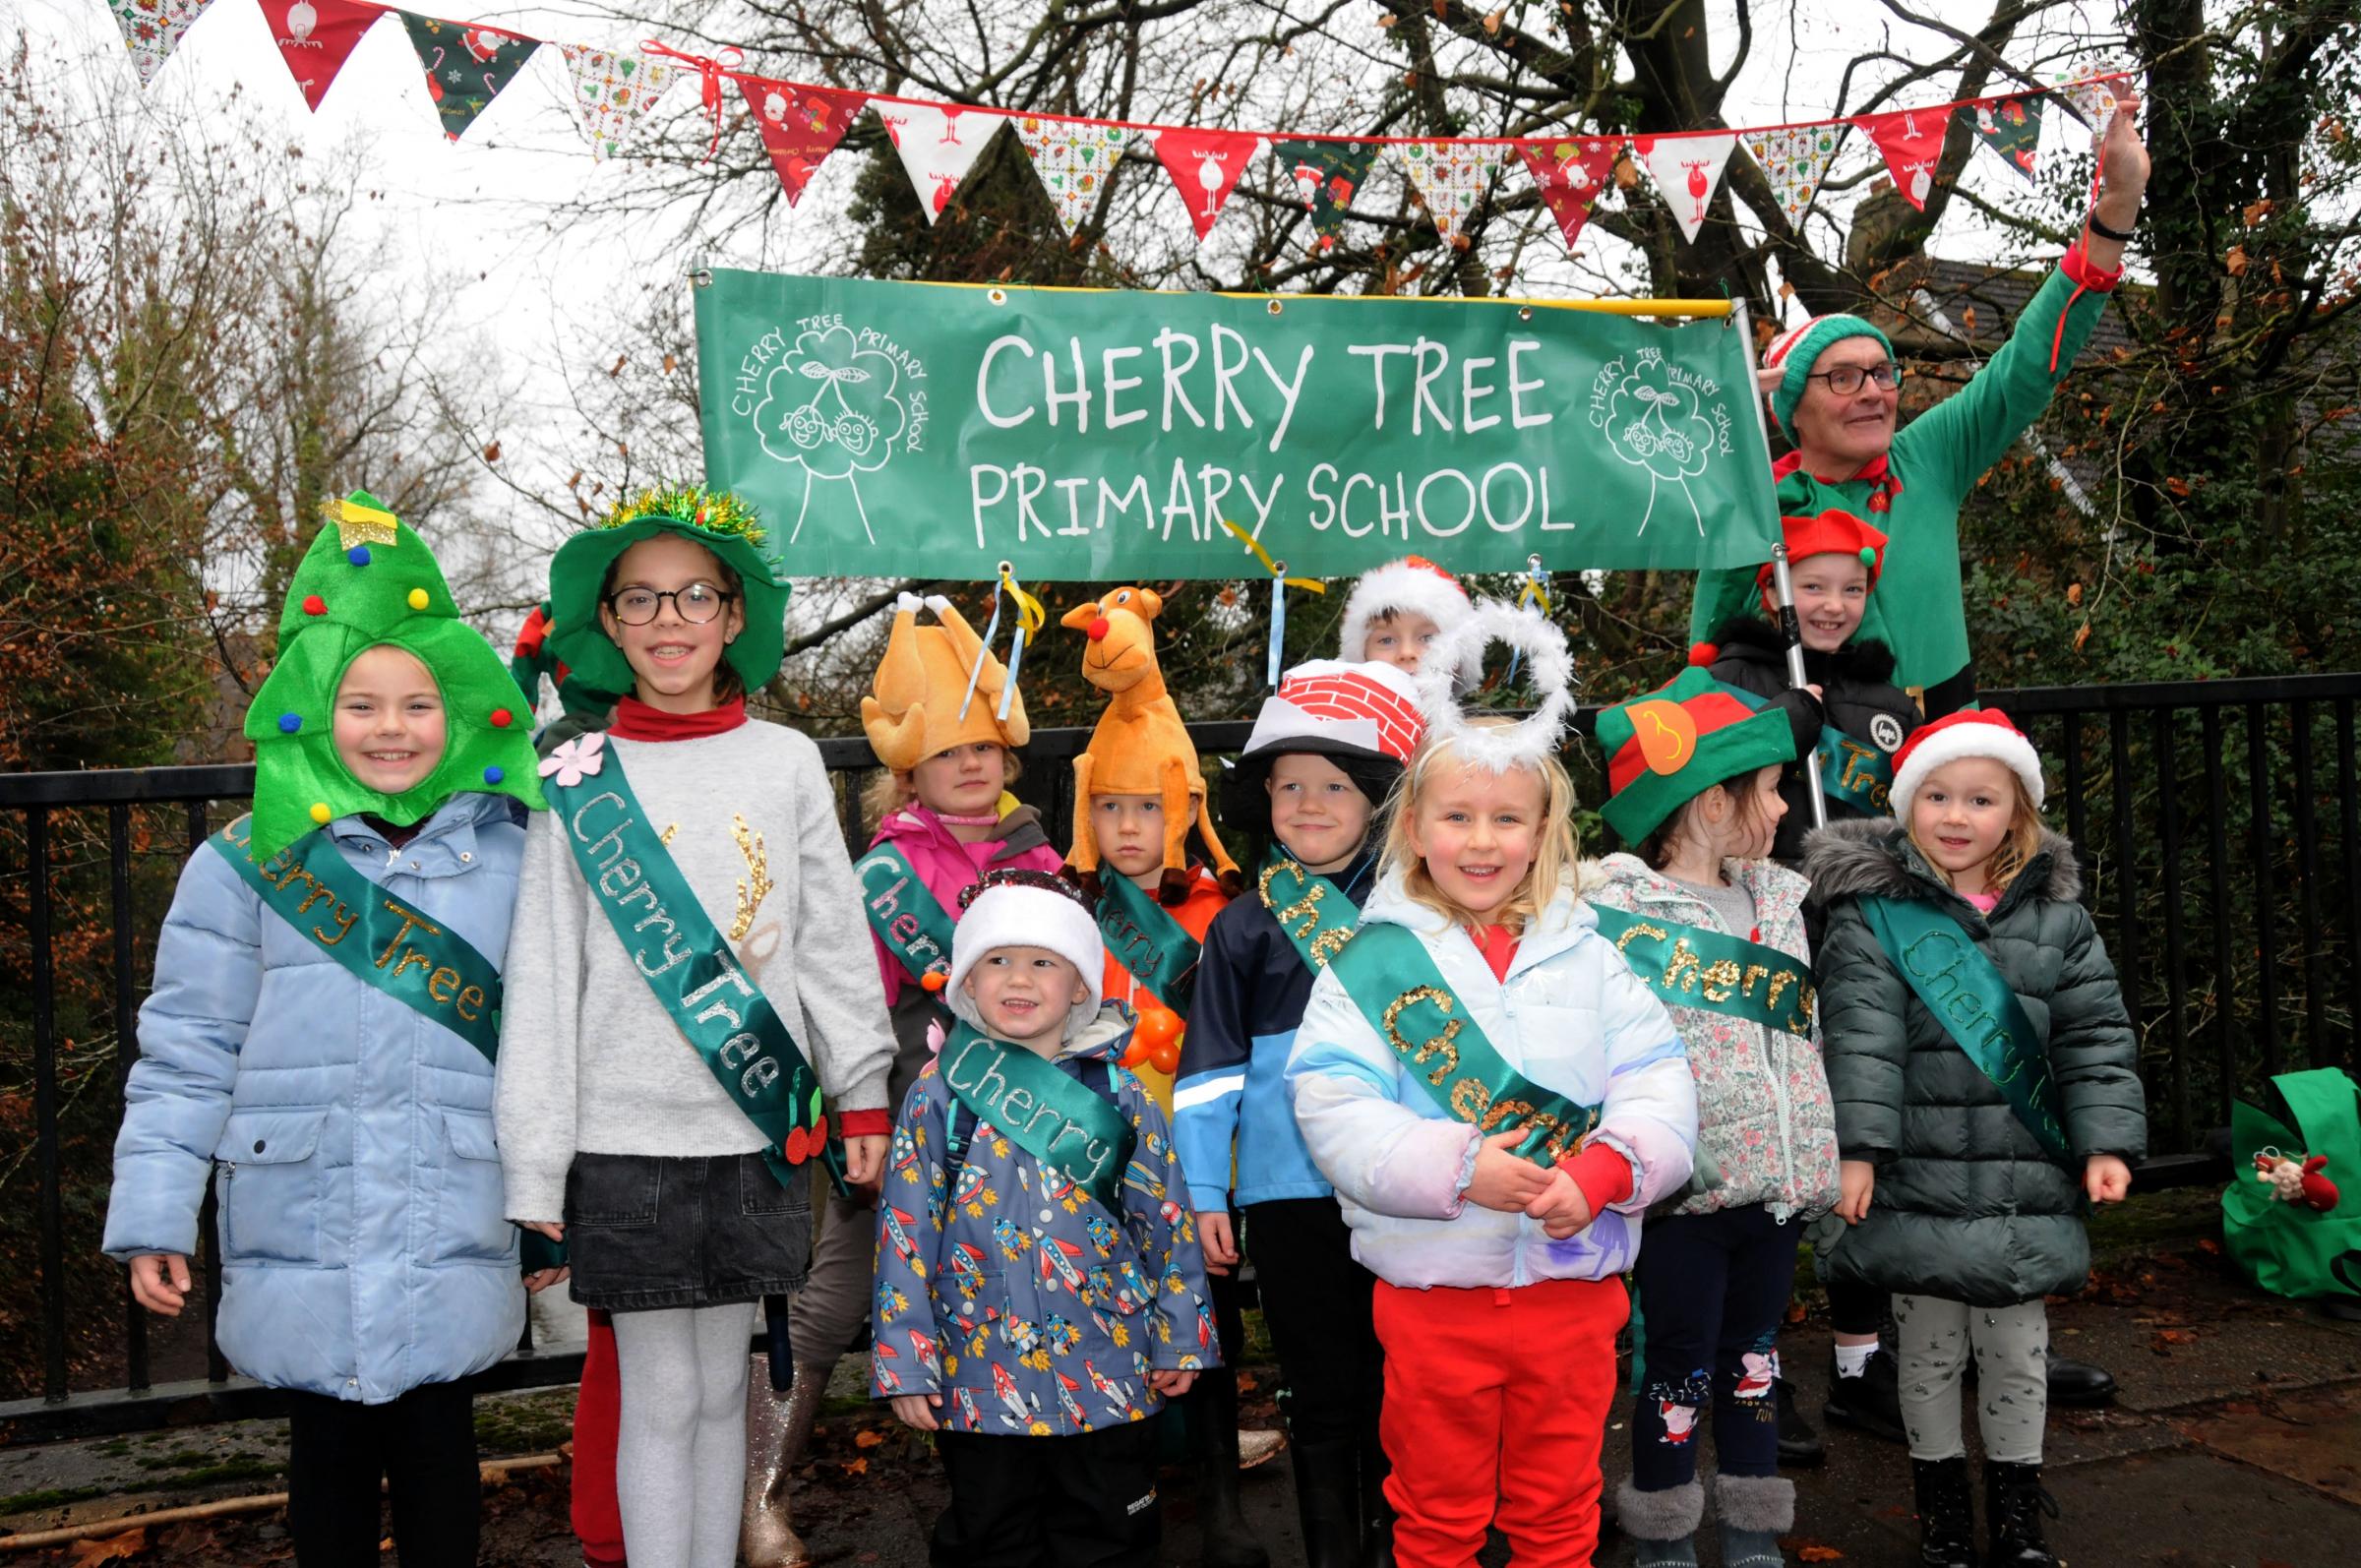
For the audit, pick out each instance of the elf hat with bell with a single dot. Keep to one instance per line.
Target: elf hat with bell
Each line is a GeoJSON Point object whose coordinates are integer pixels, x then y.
{"type": "Point", "coordinates": [1666, 747]}
{"type": "Point", "coordinates": [922, 685]}
{"type": "Point", "coordinates": [1970, 732]}
{"type": "Point", "coordinates": [1363, 717]}
{"type": "Point", "coordinates": [1834, 532]}
{"type": "Point", "coordinates": [367, 580]}
{"type": "Point", "coordinates": [1412, 583]}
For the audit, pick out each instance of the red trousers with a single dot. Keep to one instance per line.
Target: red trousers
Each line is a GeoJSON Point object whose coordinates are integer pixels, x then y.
{"type": "Point", "coordinates": [1495, 1405]}
{"type": "Point", "coordinates": [597, 1424]}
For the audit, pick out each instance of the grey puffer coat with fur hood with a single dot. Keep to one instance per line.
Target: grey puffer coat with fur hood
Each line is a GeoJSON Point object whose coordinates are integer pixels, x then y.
{"type": "Point", "coordinates": [1966, 1206]}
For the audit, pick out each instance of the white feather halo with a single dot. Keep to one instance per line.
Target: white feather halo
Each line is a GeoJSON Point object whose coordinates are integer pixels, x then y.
{"type": "Point", "coordinates": [1547, 660]}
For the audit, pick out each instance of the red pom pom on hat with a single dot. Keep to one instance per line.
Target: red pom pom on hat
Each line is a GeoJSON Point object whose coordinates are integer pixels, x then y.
{"type": "Point", "coordinates": [313, 604]}
{"type": "Point", "coordinates": [1703, 655]}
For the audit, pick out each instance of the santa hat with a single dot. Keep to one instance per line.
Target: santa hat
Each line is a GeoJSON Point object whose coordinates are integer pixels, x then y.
{"type": "Point", "coordinates": [924, 703]}
{"type": "Point", "coordinates": [1019, 908]}
{"type": "Point", "coordinates": [1795, 350]}
{"type": "Point", "coordinates": [1835, 532]}
{"type": "Point", "coordinates": [1414, 583]}
{"type": "Point", "coordinates": [1547, 662]}
{"type": "Point", "coordinates": [1363, 717]}
{"type": "Point", "coordinates": [1666, 747]}
{"type": "Point", "coordinates": [1970, 732]}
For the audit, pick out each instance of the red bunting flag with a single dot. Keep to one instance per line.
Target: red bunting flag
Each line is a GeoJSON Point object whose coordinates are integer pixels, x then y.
{"type": "Point", "coordinates": [800, 125]}
{"type": "Point", "coordinates": [316, 37]}
{"type": "Point", "coordinates": [1205, 166]}
{"type": "Point", "coordinates": [1913, 141]}
{"type": "Point", "coordinates": [1571, 172]}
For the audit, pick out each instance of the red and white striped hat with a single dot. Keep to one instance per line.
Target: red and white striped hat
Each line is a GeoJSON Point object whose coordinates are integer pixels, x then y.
{"type": "Point", "coordinates": [1970, 732]}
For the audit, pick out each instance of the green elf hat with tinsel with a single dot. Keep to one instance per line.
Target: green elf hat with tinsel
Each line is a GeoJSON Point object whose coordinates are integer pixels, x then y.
{"type": "Point", "coordinates": [1666, 747]}
{"type": "Point", "coordinates": [715, 519]}
{"type": "Point", "coordinates": [367, 579]}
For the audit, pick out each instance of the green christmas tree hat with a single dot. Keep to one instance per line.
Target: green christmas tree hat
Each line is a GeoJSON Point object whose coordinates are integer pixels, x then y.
{"type": "Point", "coordinates": [716, 519]}
{"type": "Point", "coordinates": [1666, 747]}
{"type": "Point", "coordinates": [367, 579]}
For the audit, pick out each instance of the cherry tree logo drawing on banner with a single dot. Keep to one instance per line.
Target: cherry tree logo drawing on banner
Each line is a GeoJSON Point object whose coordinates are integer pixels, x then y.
{"type": "Point", "coordinates": [837, 402]}
{"type": "Point", "coordinates": [1663, 418]}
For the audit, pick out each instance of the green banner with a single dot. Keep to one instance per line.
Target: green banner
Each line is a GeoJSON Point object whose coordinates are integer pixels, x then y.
{"type": "Point", "coordinates": [1090, 434]}
{"type": "Point", "coordinates": [1041, 1110]}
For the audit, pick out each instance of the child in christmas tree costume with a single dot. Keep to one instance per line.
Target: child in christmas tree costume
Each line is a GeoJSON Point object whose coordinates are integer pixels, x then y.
{"type": "Point", "coordinates": [321, 1032]}
{"type": "Point", "coordinates": [1695, 767]}
{"type": "Point", "coordinates": [1040, 1293]}
{"type": "Point", "coordinates": [1396, 612]}
{"type": "Point", "coordinates": [1324, 754]}
{"type": "Point", "coordinates": [692, 1016]}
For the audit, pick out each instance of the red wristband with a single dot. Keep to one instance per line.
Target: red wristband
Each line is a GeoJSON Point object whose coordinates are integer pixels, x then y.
{"type": "Point", "coordinates": [2086, 274]}
{"type": "Point", "coordinates": [875, 1123]}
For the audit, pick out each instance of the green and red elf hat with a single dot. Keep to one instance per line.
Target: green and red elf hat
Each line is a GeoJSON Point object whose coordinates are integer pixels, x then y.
{"type": "Point", "coordinates": [1666, 747]}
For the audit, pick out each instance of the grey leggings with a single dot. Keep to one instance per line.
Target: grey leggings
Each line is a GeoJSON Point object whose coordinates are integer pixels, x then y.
{"type": "Point", "coordinates": [680, 1461]}
{"type": "Point", "coordinates": [2010, 1346]}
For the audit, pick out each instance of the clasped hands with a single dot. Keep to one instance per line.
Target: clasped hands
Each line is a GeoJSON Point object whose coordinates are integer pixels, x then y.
{"type": "Point", "coordinates": [1513, 1185]}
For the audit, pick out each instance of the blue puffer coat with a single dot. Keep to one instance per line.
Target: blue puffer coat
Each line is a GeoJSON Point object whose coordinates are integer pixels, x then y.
{"type": "Point", "coordinates": [350, 1138]}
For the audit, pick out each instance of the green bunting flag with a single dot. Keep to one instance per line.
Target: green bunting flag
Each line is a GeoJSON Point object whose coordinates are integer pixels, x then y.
{"type": "Point", "coordinates": [1326, 174]}
{"type": "Point", "coordinates": [466, 66]}
{"type": "Point", "coordinates": [2009, 126]}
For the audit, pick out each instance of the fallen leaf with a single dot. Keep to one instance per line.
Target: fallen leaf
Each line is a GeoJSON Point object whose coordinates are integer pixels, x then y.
{"type": "Point", "coordinates": [2235, 261]}
{"type": "Point", "coordinates": [2081, 635]}
{"type": "Point", "coordinates": [1818, 1553]}
{"type": "Point", "coordinates": [1967, 319]}
{"type": "Point", "coordinates": [867, 1437]}
{"type": "Point", "coordinates": [113, 1548]}
{"type": "Point", "coordinates": [856, 1467]}
{"type": "Point", "coordinates": [2256, 211]}
{"type": "Point", "coordinates": [2074, 593]}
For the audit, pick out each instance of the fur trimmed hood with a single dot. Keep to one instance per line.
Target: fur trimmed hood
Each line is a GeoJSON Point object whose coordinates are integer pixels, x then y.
{"type": "Point", "coordinates": [1753, 639]}
{"type": "Point", "coordinates": [1873, 857]}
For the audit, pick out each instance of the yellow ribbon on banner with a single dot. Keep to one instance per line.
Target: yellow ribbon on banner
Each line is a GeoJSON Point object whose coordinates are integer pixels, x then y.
{"type": "Point", "coordinates": [1315, 585]}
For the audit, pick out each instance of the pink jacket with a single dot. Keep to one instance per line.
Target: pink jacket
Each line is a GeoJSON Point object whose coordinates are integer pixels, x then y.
{"type": "Point", "coordinates": [948, 866]}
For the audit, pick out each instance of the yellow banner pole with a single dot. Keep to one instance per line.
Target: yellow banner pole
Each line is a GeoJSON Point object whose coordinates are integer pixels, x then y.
{"type": "Point", "coordinates": [1707, 309]}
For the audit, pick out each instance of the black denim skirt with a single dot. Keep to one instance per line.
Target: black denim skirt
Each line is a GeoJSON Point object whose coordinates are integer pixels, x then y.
{"type": "Point", "coordinates": [644, 1232]}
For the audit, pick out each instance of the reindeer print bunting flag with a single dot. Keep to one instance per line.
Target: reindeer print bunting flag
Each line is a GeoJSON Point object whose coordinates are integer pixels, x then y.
{"type": "Point", "coordinates": [466, 66]}
{"type": "Point", "coordinates": [1687, 170]}
{"type": "Point", "coordinates": [938, 144]}
{"type": "Point", "coordinates": [1912, 143]}
{"type": "Point", "coordinates": [316, 37]}
{"type": "Point", "coordinates": [1205, 166]}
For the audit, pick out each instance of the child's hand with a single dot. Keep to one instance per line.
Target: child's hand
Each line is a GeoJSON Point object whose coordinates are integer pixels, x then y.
{"type": "Point", "coordinates": [160, 1284]}
{"type": "Point", "coordinates": [1856, 1180]}
{"type": "Point", "coordinates": [542, 1278]}
{"type": "Point", "coordinates": [2106, 1178]}
{"type": "Point", "coordinates": [1502, 1180]}
{"type": "Point", "coordinates": [553, 1229]}
{"type": "Point", "coordinates": [1169, 1383]}
{"type": "Point", "coordinates": [1563, 1210]}
{"type": "Point", "coordinates": [1221, 1246]}
{"type": "Point", "coordinates": [863, 1159]}
{"type": "Point", "coordinates": [917, 1409]}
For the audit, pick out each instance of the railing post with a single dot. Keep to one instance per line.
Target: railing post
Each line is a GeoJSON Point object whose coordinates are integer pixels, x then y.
{"type": "Point", "coordinates": [2217, 864]}
{"type": "Point", "coordinates": [2307, 866]}
{"type": "Point", "coordinates": [2176, 978]}
{"type": "Point", "coordinates": [127, 1051]}
{"type": "Point", "coordinates": [2266, 946]}
{"type": "Point", "coordinates": [50, 1202]}
{"type": "Point", "coordinates": [2127, 878]}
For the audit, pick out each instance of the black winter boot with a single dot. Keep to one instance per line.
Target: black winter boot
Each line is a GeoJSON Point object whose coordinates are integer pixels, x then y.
{"type": "Point", "coordinates": [1799, 1441]}
{"type": "Point", "coordinates": [1328, 1502]}
{"type": "Point", "coordinates": [1227, 1543]}
{"type": "Point", "coordinates": [2014, 1503]}
{"type": "Point", "coordinates": [1946, 1513]}
{"type": "Point", "coordinates": [1870, 1403]}
{"type": "Point", "coordinates": [1377, 1514]}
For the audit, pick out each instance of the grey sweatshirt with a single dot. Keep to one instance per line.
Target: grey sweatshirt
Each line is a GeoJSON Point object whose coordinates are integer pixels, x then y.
{"type": "Point", "coordinates": [589, 1059]}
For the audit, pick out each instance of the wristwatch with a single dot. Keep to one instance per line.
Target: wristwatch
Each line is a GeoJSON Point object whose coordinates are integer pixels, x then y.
{"type": "Point", "coordinates": [2098, 227]}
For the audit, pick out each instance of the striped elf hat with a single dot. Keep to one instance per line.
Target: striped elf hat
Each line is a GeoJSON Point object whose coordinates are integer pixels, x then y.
{"type": "Point", "coordinates": [1666, 747]}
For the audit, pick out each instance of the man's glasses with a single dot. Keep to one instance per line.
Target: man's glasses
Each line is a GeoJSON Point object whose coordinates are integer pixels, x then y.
{"type": "Point", "coordinates": [697, 604]}
{"type": "Point", "coordinates": [1845, 380]}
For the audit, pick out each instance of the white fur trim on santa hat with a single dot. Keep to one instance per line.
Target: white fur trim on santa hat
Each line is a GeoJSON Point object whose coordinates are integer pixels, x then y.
{"type": "Point", "coordinates": [1547, 662]}
{"type": "Point", "coordinates": [1966, 734]}
{"type": "Point", "coordinates": [1027, 917]}
{"type": "Point", "coordinates": [1329, 705]}
{"type": "Point", "coordinates": [1406, 585]}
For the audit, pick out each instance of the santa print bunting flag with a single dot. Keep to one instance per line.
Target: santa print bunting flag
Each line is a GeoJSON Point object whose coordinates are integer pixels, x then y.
{"type": "Point", "coordinates": [1205, 166]}
{"type": "Point", "coordinates": [1073, 158]}
{"type": "Point", "coordinates": [466, 66]}
{"type": "Point", "coordinates": [1912, 143]}
{"type": "Point", "coordinates": [1795, 159]}
{"type": "Point", "coordinates": [2009, 126]}
{"type": "Point", "coordinates": [800, 126]}
{"type": "Point", "coordinates": [612, 91]}
{"type": "Point", "coordinates": [1326, 174]}
{"type": "Point", "coordinates": [938, 144]}
{"type": "Point", "coordinates": [1452, 177]}
{"type": "Point", "coordinates": [152, 30]}
{"type": "Point", "coordinates": [1571, 174]}
{"type": "Point", "coordinates": [316, 37]}
{"type": "Point", "coordinates": [1687, 170]}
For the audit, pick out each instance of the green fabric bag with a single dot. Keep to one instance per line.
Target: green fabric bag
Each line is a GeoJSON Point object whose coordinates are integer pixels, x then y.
{"type": "Point", "coordinates": [2287, 1248]}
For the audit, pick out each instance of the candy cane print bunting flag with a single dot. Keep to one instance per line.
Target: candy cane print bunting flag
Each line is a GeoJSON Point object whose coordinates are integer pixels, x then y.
{"type": "Point", "coordinates": [938, 144]}
{"type": "Point", "coordinates": [1687, 170]}
{"type": "Point", "coordinates": [1571, 174]}
{"type": "Point", "coordinates": [612, 91]}
{"type": "Point", "coordinates": [800, 125]}
{"type": "Point", "coordinates": [466, 66]}
{"type": "Point", "coordinates": [1073, 158]}
{"type": "Point", "coordinates": [152, 30]}
{"type": "Point", "coordinates": [1452, 177]}
{"type": "Point", "coordinates": [1795, 159]}
{"type": "Point", "coordinates": [316, 37]}
{"type": "Point", "coordinates": [1205, 166]}
{"type": "Point", "coordinates": [2009, 126]}
{"type": "Point", "coordinates": [1912, 143]}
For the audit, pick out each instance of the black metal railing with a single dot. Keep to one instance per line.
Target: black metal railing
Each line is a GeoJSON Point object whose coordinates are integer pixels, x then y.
{"type": "Point", "coordinates": [2223, 869]}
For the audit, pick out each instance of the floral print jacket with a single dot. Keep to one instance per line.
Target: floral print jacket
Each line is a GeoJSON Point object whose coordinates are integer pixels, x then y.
{"type": "Point", "coordinates": [1013, 1293]}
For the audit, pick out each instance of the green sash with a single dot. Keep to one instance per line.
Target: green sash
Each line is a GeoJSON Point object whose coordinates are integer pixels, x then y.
{"type": "Point", "coordinates": [1390, 977]}
{"type": "Point", "coordinates": [1041, 1110]}
{"type": "Point", "coordinates": [1313, 911]}
{"type": "Point", "coordinates": [724, 1016]}
{"type": "Point", "coordinates": [904, 912]}
{"type": "Point", "coordinates": [1967, 996]}
{"type": "Point", "coordinates": [1857, 774]}
{"type": "Point", "coordinates": [1692, 967]}
{"type": "Point", "coordinates": [1146, 939]}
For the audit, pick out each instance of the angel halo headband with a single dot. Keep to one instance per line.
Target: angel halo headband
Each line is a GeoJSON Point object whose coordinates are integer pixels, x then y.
{"type": "Point", "coordinates": [1499, 748]}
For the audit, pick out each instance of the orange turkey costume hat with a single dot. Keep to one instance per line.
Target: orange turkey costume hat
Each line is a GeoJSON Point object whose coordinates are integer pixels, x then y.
{"type": "Point", "coordinates": [922, 685]}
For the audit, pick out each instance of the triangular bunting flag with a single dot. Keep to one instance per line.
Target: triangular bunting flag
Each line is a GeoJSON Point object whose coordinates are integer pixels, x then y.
{"type": "Point", "coordinates": [800, 125]}
{"type": "Point", "coordinates": [1571, 174]}
{"type": "Point", "coordinates": [1687, 170]}
{"type": "Point", "coordinates": [1326, 174]}
{"type": "Point", "coordinates": [2091, 103]}
{"type": "Point", "coordinates": [612, 91]}
{"type": "Point", "coordinates": [938, 144]}
{"type": "Point", "coordinates": [1912, 143]}
{"type": "Point", "coordinates": [316, 37]}
{"type": "Point", "coordinates": [1205, 166]}
{"type": "Point", "coordinates": [1452, 177]}
{"type": "Point", "coordinates": [466, 66]}
{"type": "Point", "coordinates": [152, 30]}
{"type": "Point", "coordinates": [2009, 126]}
{"type": "Point", "coordinates": [1073, 158]}
{"type": "Point", "coordinates": [1795, 159]}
